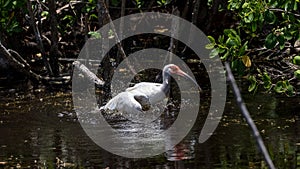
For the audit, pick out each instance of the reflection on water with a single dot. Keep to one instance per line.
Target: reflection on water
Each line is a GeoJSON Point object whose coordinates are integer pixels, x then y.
{"type": "Point", "coordinates": [43, 131]}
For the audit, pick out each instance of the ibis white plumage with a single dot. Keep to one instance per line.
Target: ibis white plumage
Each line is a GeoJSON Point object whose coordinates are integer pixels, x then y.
{"type": "Point", "coordinates": [143, 95]}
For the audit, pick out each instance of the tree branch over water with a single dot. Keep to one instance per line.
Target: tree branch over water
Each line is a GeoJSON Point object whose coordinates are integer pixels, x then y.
{"type": "Point", "coordinates": [248, 118]}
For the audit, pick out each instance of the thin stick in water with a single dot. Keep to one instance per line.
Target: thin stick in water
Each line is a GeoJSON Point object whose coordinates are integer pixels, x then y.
{"type": "Point", "coordinates": [248, 118]}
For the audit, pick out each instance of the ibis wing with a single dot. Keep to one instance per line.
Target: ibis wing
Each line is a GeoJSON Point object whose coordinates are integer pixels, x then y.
{"type": "Point", "coordinates": [123, 102]}
{"type": "Point", "coordinates": [144, 102]}
{"type": "Point", "coordinates": [151, 90]}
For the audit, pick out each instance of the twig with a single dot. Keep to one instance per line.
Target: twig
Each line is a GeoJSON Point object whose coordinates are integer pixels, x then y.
{"type": "Point", "coordinates": [123, 5]}
{"type": "Point", "coordinates": [38, 37]}
{"type": "Point", "coordinates": [100, 13]}
{"type": "Point", "coordinates": [281, 10]}
{"type": "Point", "coordinates": [248, 118]}
{"type": "Point", "coordinates": [54, 54]}
{"type": "Point", "coordinates": [18, 58]}
{"type": "Point", "coordinates": [86, 26]}
{"type": "Point", "coordinates": [186, 9]}
{"type": "Point", "coordinates": [17, 65]}
{"type": "Point", "coordinates": [194, 21]}
{"type": "Point", "coordinates": [24, 68]}
{"type": "Point", "coordinates": [174, 31]}
{"type": "Point", "coordinates": [150, 5]}
{"type": "Point", "coordinates": [68, 5]}
{"type": "Point", "coordinates": [122, 52]}
{"type": "Point", "coordinates": [90, 75]}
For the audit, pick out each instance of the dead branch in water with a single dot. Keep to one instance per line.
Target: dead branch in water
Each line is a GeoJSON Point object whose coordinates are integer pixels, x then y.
{"type": "Point", "coordinates": [90, 75]}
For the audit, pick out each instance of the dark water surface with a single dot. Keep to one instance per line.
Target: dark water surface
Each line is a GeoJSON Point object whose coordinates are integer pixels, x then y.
{"type": "Point", "coordinates": [42, 131]}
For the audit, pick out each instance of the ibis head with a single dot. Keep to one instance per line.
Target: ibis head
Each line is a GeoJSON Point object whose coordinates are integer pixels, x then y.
{"type": "Point", "coordinates": [174, 69]}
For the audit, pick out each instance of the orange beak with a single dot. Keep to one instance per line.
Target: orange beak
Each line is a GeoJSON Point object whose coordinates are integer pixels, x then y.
{"type": "Point", "coordinates": [183, 74]}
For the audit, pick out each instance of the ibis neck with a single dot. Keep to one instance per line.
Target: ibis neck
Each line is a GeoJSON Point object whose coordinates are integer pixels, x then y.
{"type": "Point", "coordinates": [166, 83]}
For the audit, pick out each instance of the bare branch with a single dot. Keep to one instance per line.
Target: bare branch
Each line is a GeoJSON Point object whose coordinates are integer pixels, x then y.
{"type": "Point", "coordinates": [248, 118]}
{"type": "Point", "coordinates": [118, 41]}
{"type": "Point", "coordinates": [38, 37]}
{"type": "Point", "coordinates": [281, 10]}
{"type": "Point", "coordinates": [90, 75]}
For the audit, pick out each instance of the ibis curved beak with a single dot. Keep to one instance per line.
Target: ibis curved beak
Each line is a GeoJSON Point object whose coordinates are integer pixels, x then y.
{"type": "Point", "coordinates": [183, 74]}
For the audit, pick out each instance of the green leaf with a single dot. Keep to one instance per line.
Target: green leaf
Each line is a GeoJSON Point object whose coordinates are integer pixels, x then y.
{"type": "Point", "coordinates": [211, 39]}
{"type": "Point", "coordinates": [253, 26]}
{"type": "Point", "coordinates": [253, 82]}
{"type": "Point", "coordinates": [221, 50]}
{"type": "Point", "coordinates": [210, 46]}
{"type": "Point", "coordinates": [93, 16]}
{"type": "Point", "coordinates": [250, 17]}
{"type": "Point", "coordinates": [225, 55]}
{"type": "Point", "coordinates": [245, 5]}
{"type": "Point", "coordinates": [237, 65]}
{"type": "Point", "coordinates": [290, 90]}
{"type": "Point", "coordinates": [281, 41]}
{"type": "Point", "coordinates": [270, 41]}
{"type": "Point", "coordinates": [296, 60]}
{"type": "Point", "coordinates": [45, 14]}
{"type": "Point", "coordinates": [213, 53]}
{"type": "Point", "coordinates": [8, 2]}
{"type": "Point", "coordinates": [296, 5]}
{"type": "Point", "coordinates": [94, 34]}
{"type": "Point", "coordinates": [270, 17]}
{"type": "Point", "coordinates": [243, 49]}
{"type": "Point", "coordinates": [221, 39]}
{"type": "Point", "coordinates": [266, 80]}
{"type": "Point", "coordinates": [288, 35]}
{"type": "Point", "coordinates": [297, 74]}
{"type": "Point", "coordinates": [279, 87]}
{"type": "Point", "coordinates": [228, 32]}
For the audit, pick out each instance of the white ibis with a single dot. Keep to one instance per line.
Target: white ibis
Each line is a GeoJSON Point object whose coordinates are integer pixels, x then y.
{"type": "Point", "coordinates": [143, 95]}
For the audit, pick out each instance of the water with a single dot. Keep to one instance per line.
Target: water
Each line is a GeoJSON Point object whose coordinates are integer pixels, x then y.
{"type": "Point", "coordinates": [42, 131]}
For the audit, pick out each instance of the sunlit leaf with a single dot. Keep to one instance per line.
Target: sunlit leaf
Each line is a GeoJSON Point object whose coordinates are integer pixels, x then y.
{"type": "Point", "coordinates": [246, 60]}
{"type": "Point", "coordinates": [213, 53]}
{"type": "Point", "coordinates": [250, 17]}
{"type": "Point", "coordinates": [211, 39]}
{"type": "Point", "coordinates": [210, 46]}
{"type": "Point", "coordinates": [94, 34]}
{"type": "Point", "coordinates": [296, 5]}
{"type": "Point", "coordinates": [245, 5]}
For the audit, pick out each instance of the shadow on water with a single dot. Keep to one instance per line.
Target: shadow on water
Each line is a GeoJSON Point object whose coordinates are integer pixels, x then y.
{"type": "Point", "coordinates": [42, 131]}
